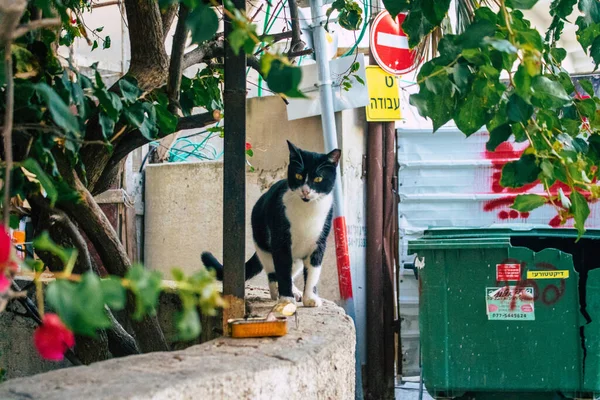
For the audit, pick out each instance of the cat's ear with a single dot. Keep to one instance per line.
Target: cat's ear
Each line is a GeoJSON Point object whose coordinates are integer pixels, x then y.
{"type": "Point", "coordinates": [294, 152]}
{"type": "Point", "coordinates": [334, 156]}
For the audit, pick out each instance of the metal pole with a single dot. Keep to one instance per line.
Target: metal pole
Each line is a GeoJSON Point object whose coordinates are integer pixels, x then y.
{"type": "Point", "coordinates": [234, 178]}
{"type": "Point", "coordinates": [330, 138]}
{"type": "Point", "coordinates": [375, 369]}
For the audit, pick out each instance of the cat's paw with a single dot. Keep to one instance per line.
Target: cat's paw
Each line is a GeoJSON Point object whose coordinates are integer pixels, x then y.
{"type": "Point", "coordinates": [286, 299]}
{"type": "Point", "coordinates": [312, 301]}
{"type": "Point", "coordinates": [297, 293]}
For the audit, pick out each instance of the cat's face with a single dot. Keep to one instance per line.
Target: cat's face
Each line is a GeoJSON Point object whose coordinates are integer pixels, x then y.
{"type": "Point", "coordinates": [312, 175]}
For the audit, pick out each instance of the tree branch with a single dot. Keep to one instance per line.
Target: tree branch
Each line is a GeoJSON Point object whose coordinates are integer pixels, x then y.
{"type": "Point", "coordinates": [176, 64]}
{"type": "Point", "coordinates": [297, 43]}
{"type": "Point", "coordinates": [204, 52]}
{"type": "Point", "coordinates": [90, 217]}
{"type": "Point", "coordinates": [167, 17]}
{"type": "Point", "coordinates": [7, 132]}
{"type": "Point", "coordinates": [33, 25]}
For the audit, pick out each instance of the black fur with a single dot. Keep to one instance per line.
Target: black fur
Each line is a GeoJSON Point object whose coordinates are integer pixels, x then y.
{"type": "Point", "coordinates": [253, 266]}
{"type": "Point", "coordinates": [270, 226]}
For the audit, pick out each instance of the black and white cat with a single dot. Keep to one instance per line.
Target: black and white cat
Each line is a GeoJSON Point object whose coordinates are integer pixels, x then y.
{"type": "Point", "coordinates": [290, 225]}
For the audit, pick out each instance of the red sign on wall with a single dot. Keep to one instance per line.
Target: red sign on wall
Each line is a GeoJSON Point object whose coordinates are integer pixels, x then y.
{"type": "Point", "coordinates": [508, 272]}
{"type": "Point", "coordinates": [389, 44]}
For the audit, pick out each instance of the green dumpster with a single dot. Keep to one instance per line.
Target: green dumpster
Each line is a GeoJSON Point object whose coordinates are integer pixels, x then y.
{"type": "Point", "coordinates": [509, 314]}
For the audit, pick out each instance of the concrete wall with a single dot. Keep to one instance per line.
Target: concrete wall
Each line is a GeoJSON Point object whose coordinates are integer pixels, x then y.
{"type": "Point", "coordinates": [183, 201]}
{"type": "Point", "coordinates": [313, 361]}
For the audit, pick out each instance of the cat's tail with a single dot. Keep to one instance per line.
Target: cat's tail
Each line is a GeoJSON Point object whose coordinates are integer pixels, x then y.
{"type": "Point", "coordinates": [253, 265]}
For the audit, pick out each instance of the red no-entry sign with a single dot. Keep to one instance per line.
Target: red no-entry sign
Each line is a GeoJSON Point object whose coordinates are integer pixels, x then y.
{"type": "Point", "coordinates": [389, 44]}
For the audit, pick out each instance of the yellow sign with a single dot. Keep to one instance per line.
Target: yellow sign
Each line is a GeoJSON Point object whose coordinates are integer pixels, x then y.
{"type": "Point", "coordinates": [563, 274]}
{"type": "Point", "coordinates": [384, 95]}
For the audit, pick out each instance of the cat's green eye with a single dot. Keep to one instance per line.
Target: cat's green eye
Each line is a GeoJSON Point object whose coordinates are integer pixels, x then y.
{"type": "Point", "coordinates": [318, 179]}
{"type": "Point", "coordinates": [299, 177]}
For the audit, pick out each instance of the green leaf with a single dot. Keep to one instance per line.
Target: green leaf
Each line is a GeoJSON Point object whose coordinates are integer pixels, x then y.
{"type": "Point", "coordinates": [134, 114]}
{"type": "Point", "coordinates": [502, 45]}
{"type": "Point", "coordinates": [497, 136]}
{"type": "Point", "coordinates": [515, 174]}
{"type": "Point", "coordinates": [32, 166]}
{"type": "Point", "coordinates": [107, 43]}
{"type": "Point", "coordinates": [591, 10]}
{"type": "Point", "coordinates": [435, 99]}
{"type": "Point", "coordinates": [522, 81]}
{"type": "Point", "coordinates": [518, 110]}
{"type": "Point", "coordinates": [166, 121]}
{"type": "Point", "coordinates": [44, 243]}
{"type": "Point", "coordinates": [284, 79]}
{"type": "Point", "coordinates": [586, 107]}
{"type": "Point", "coordinates": [595, 51]}
{"type": "Point", "coordinates": [471, 115]}
{"type": "Point", "coordinates": [474, 111]}
{"type": "Point", "coordinates": [566, 82]}
{"type": "Point", "coordinates": [60, 112]}
{"type": "Point", "coordinates": [80, 305]}
{"type": "Point", "coordinates": [178, 274]}
{"type": "Point", "coordinates": [435, 10]}
{"type": "Point", "coordinates": [416, 25]}
{"type": "Point", "coordinates": [395, 7]}
{"type": "Point", "coordinates": [14, 221]}
{"type": "Point", "coordinates": [558, 54]}
{"type": "Point", "coordinates": [188, 324]}
{"type": "Point", "coordinates": [562, 8]}
{"type": "Point", "coordinates": [580, 210]}
{"type": "Point", "coordinates": [475, 34]}
{"type": "Point", "coordinates": [202, 23]}
{"type": "Point", "coordinates": [94, 45]}
{"type": "Point", "coordinates": [548, 94]}
{"type": "Point", "coordinates": [129, 89]}
{"type": "Point", "coordinates": [239, 38]}
{"type": "Point", "coordinates": [587, 86]}
{"type": "Point", "coordinates": [528, 202]}
{"type": "Point", "coordinates": [521, 4]}
{"type": "Point", "coordinates": [107, 125]}
{"type": "Point", "coordinates": [146, 286]}
{"type": "Point", "coordinates": [110, 103]}
{"type": "Point", "coordinates": [114, 293]}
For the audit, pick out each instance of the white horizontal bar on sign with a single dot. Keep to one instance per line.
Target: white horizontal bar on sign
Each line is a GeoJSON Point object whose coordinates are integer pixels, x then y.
{"type": "Point", "coordinates": [389, 40]}
{"type": "Point", "coordinates": [441, 197]}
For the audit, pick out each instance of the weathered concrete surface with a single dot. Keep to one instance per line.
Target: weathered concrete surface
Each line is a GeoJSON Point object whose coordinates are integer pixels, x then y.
{"type": "Point", "coordinates": [315, 361]}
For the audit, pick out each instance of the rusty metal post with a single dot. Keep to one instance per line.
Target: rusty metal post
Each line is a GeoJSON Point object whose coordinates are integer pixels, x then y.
{"type": "Point", "coordinates": [390, 253]}
{"type": "Point", "coordinates": [234, 178]}
{"type": "Point", "coordinates": [375, 322]}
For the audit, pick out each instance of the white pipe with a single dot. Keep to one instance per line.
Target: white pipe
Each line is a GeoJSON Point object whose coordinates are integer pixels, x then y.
{"type": "Point", "coordinates": [330, 137]}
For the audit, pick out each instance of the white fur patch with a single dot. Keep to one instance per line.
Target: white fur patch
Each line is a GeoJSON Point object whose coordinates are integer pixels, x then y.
{"type": "Point", "coordinates": [306, 221]}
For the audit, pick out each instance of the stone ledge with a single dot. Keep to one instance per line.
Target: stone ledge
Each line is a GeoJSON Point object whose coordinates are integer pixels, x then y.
{"type": "Point", "coordinates": [315, 361]}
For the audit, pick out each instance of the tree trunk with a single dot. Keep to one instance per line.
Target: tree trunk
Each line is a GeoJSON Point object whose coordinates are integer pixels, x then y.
{"type": "Point", "coordinates": [149, 61]}
{"type": "Point", "coordinates": [97, 227]}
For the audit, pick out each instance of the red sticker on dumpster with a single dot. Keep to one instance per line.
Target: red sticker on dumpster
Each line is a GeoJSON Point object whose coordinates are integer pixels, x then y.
{"type": "Point", "coordinates": [508, 272]}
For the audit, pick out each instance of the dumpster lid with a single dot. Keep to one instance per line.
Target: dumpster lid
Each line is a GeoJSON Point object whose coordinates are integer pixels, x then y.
{"type": "Point", "coordinates": [490, 238]}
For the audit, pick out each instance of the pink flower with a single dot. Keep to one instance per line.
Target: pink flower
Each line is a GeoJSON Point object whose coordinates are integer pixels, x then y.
{"type": "Point", "coordinates": [5, 247]}
{"type": "Point", "coordinates": [4, 283]}
{"type": "Point", "coordinates": [248, 146]}
{"type": "Point", "coordinates": [53, 338]}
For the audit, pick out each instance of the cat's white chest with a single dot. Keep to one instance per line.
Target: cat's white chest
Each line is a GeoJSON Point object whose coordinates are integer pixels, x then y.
{"type": "Point", "coordinates": [306, 222]}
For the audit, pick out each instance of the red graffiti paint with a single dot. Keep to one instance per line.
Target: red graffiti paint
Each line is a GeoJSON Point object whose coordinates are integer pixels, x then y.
{"type": "Point", "coordinates": [343, 258]}
{"type": "Point", "coordinates": [504, 154]}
